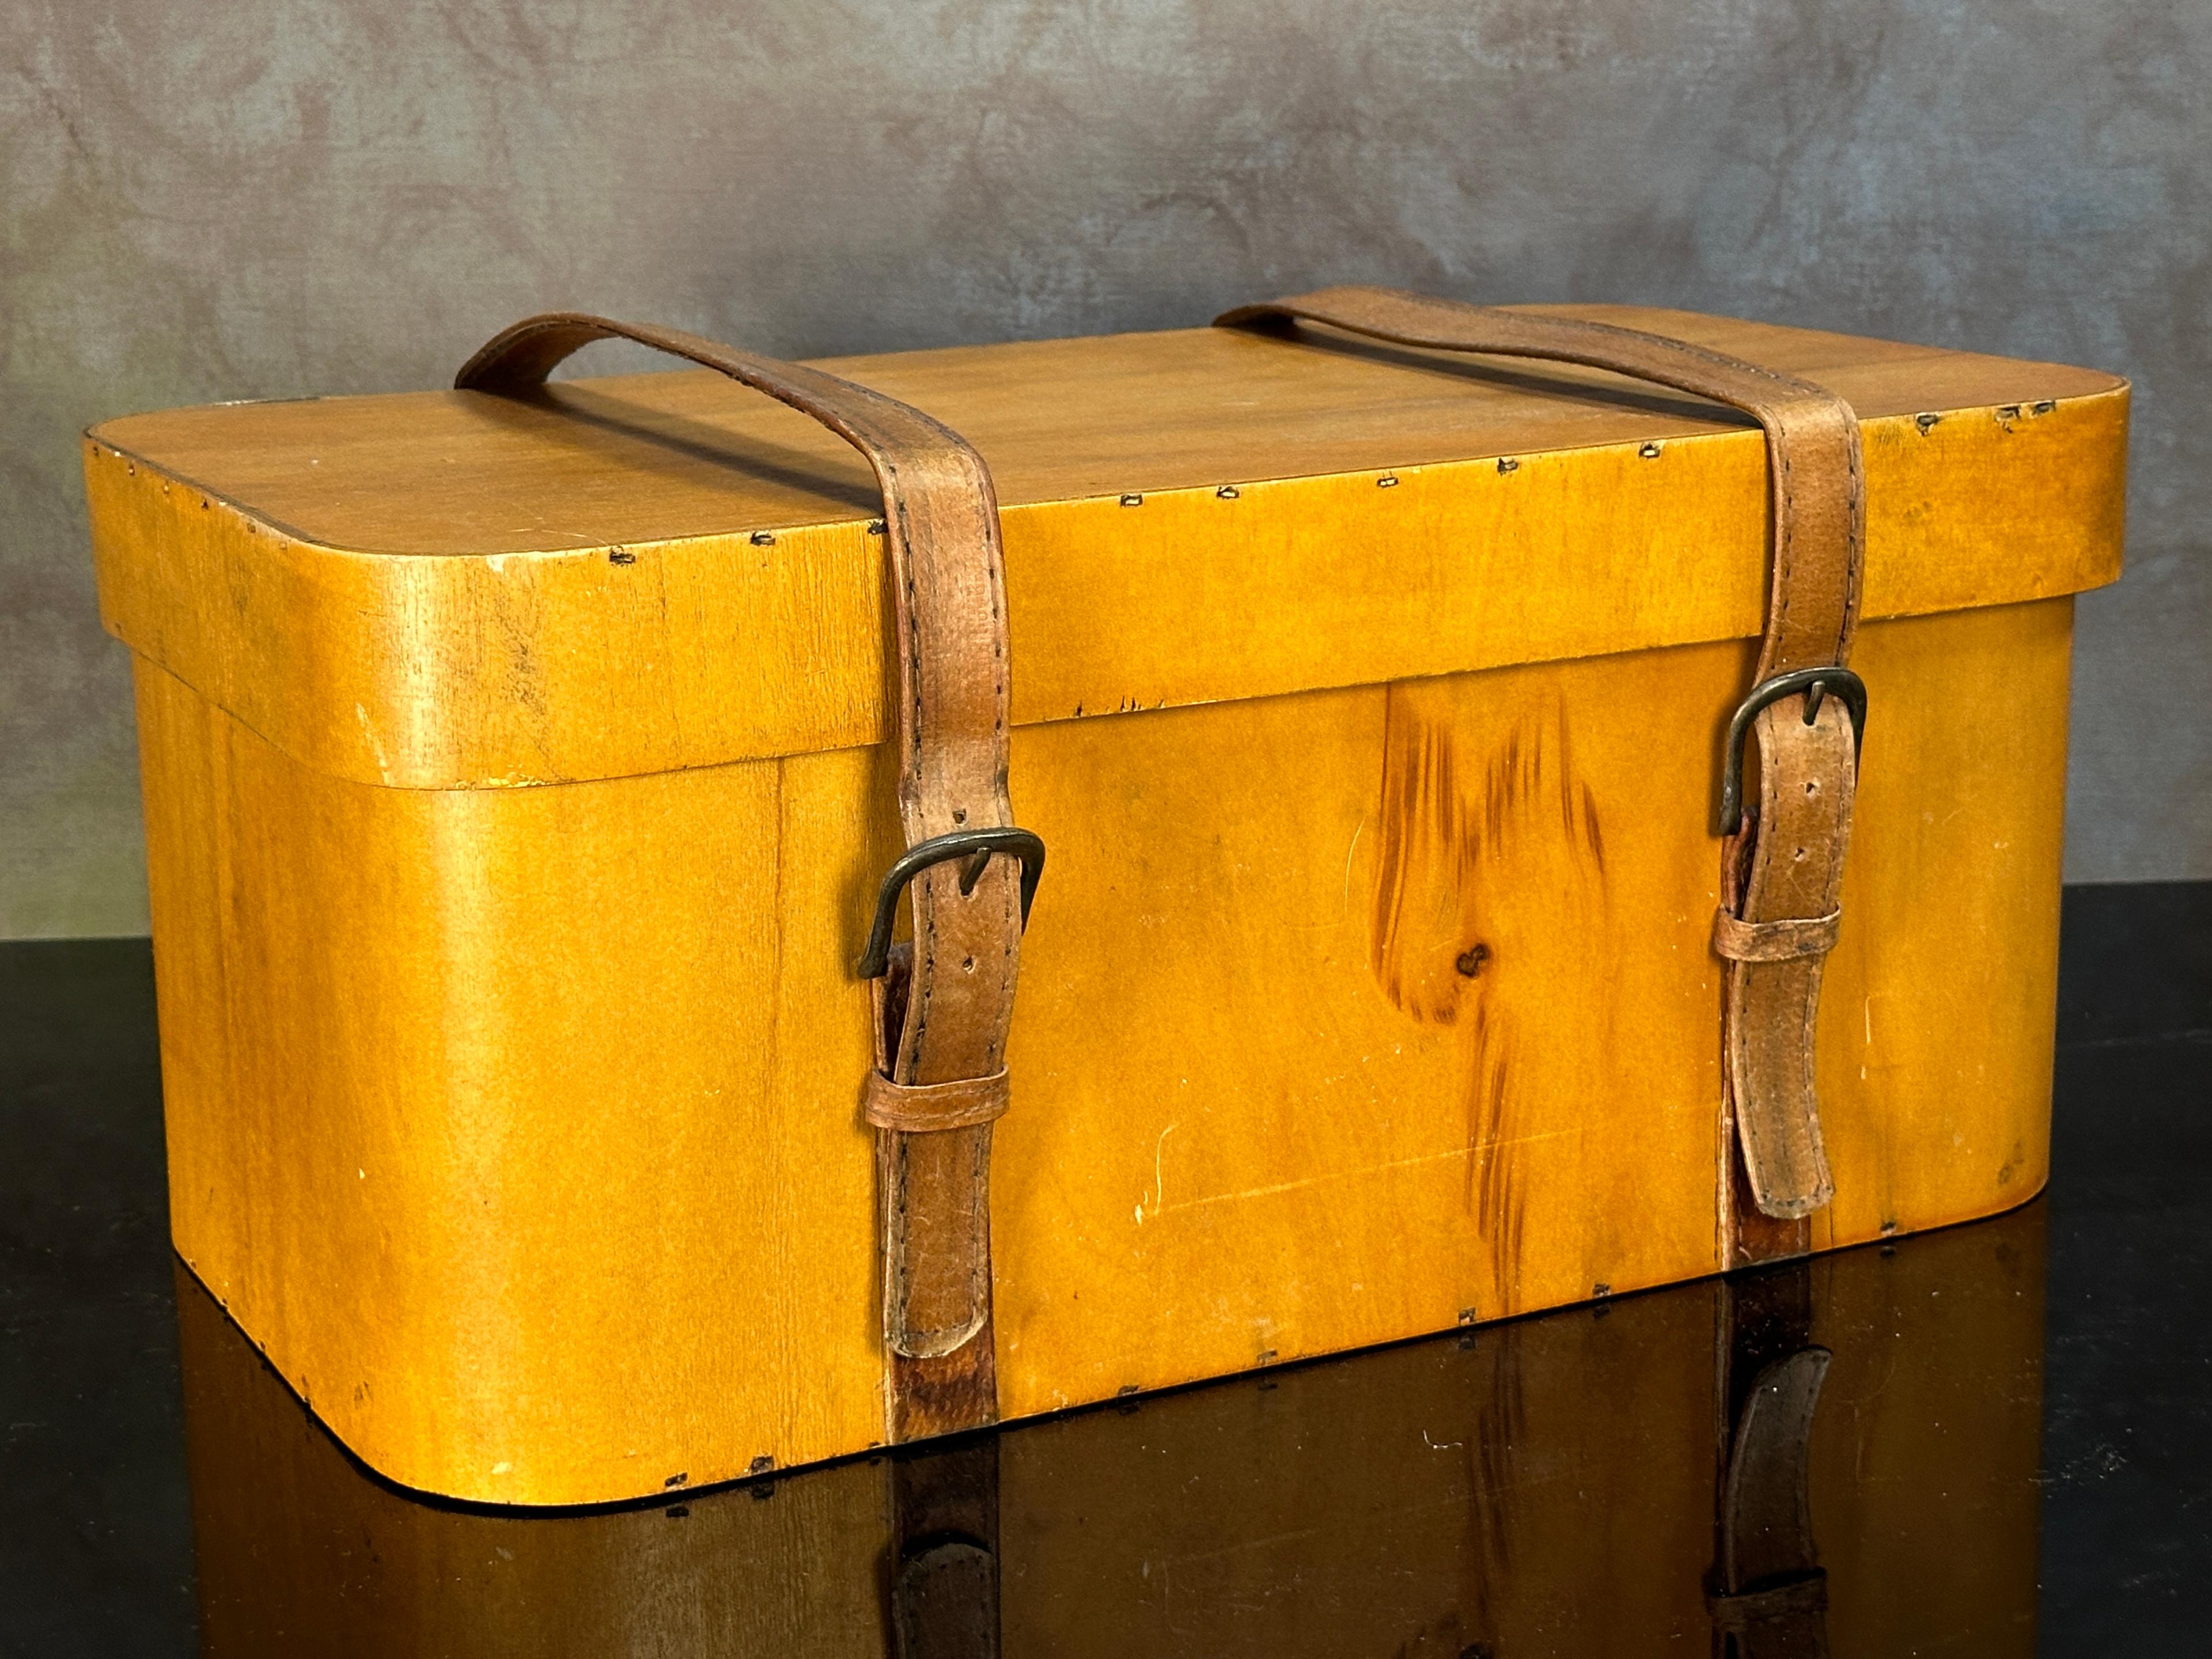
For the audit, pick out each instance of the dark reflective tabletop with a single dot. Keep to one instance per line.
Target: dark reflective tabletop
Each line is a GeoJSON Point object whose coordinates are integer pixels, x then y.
{"type": "Point", "coordinates": [1994, 1439]}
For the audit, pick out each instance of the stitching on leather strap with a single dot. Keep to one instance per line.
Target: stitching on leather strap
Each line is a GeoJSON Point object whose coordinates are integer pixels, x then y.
{"type": "Point", "coordinates": [1774, 941]}
{"type": "Point", "coordinates": [920, 1109]}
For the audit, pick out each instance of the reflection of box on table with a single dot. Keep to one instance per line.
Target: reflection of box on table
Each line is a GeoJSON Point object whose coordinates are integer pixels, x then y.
{"type": "Point", "coordinates": [1548, 1486]}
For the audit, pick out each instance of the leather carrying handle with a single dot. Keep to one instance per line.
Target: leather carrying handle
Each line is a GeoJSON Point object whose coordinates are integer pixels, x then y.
{"type": "Point", "coordinates": [1808, 744]}
{"type": "Point", "coordinates": [520, 357]}
{"type": "Point", "coordinates": [949, 1021]}
{"type": "Point", "coordinates": [1811, 434]}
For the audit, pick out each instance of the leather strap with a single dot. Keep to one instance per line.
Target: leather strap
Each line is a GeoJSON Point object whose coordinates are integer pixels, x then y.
{"type": "Point", "coordinates": [948, 1021]}
{"type": "Point", "coordinates": [1774, 941]}
{"type": "Point", "coordinates": [1784, 866]}
{"type": "Point", "coordinates": [923, 1109]}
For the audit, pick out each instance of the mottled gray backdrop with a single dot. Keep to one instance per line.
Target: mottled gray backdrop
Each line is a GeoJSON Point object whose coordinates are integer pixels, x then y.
{"type": "Point", "coordinates": [258, 199]}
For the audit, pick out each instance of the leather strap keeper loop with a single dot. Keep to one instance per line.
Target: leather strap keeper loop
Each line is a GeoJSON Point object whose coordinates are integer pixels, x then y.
{"type": "Point", "coordinates": [920, 1109]}
{"type": "Point", "coordinates": [1774, 941]}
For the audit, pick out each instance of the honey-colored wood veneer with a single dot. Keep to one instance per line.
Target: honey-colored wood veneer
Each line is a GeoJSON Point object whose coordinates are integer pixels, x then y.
{"type": "Point", "coordinates": [1369, 990]}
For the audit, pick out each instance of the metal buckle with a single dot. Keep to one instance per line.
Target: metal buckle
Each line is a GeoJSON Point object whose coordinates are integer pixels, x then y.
{"type": "Point", "coordinates": [1817, 682]}
{"type": "Point", "coordinates": [876, 960]}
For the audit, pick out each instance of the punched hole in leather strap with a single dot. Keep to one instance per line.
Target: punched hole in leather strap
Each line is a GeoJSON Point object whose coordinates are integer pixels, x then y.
{"type": "Point", "coordinates": [921, 1108]}
{"type": "Point", "coordinates": [1774, 941]}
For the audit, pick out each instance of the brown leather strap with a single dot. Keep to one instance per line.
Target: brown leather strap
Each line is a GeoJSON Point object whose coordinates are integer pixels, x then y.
{"type": "Point", "coordinates": [1774, 941]}
{"type": "Point", "coordinates": [923, 1109]}
{"type": "Point", "coordinates": [1785, 864]}
{"type": "Point", "coordinates": [956, 995]}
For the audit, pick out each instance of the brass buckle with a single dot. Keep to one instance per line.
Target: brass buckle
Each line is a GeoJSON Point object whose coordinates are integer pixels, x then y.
{"type": "Point", "coordinates": [975, 844]}
{"type": "Point", "coordinates": [1817, 684]}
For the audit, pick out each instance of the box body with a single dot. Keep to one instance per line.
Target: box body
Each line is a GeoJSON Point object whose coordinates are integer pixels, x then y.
{"type": "Point", "coordinates": [506, 897]}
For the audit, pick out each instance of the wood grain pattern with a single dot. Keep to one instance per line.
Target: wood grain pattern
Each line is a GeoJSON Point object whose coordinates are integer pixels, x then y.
{"type": "Point", "coordinates": [451, 1082]}
{"type": "Point", "coordinates": [582, 641]}
{"type": "Point", "coordinates": [521, 1126]}
{"type": "Point", "coordinates": [1460, 836]}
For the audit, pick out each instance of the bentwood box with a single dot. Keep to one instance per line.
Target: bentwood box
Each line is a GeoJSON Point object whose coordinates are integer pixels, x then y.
{"type": "Point", "coordinates": [1508, 807]}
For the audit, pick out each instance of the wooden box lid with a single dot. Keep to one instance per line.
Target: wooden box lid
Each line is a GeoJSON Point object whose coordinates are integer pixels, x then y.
{"type": "Point", "coordinates": [648, 572]}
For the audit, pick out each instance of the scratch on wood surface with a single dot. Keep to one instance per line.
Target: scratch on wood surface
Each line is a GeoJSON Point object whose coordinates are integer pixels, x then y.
{"type": "Point", "coordinates": [375, 744]}
{"type": "Point", "coordinates": [1451, 1155]}
{"type": "Point", "coordinates": [1159, 1180]}
{"type": "Point", "coordinates": [1348, 852]}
